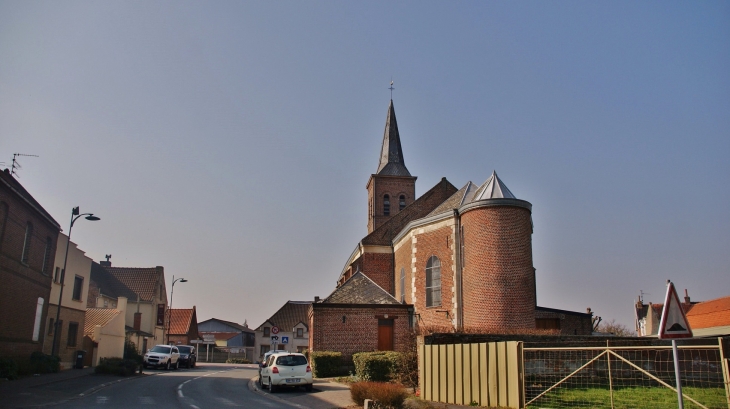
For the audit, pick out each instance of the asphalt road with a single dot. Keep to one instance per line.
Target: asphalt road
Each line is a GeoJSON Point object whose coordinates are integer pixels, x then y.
{"type": "Point", "coordinates": [199, 388]}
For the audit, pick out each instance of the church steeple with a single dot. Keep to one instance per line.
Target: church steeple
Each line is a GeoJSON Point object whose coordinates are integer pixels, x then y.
{"type": "Point", "coordinates": [391, 153]}
{"type": "Point", "coordinates": [392, 187]}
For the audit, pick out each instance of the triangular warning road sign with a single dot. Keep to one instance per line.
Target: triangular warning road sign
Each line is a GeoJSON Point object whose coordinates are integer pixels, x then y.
{"type": "Point", "coordinates": [673, 323]}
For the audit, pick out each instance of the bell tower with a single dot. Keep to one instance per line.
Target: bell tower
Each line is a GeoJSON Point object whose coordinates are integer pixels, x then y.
{"type": "Point", "coordinates": [391, 188]}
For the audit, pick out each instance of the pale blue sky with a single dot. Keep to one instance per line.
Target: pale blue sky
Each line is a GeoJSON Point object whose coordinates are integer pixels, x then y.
{"type": "Point", "coordinates": [231, 141]}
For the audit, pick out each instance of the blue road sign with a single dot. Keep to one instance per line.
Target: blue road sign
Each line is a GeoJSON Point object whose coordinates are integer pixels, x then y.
{"type": "Point", "coordinates": [284, 340]}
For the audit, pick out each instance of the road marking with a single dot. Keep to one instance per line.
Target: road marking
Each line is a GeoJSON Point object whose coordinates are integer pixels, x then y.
{"type": "Point", "coordinates": [101, 399]}
{"type": "Point", "coordinates": [180, 394]}
{"type": "Point", "coordinates": [194, 407]}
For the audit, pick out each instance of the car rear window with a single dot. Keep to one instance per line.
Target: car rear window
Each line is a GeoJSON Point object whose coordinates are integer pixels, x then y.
{"type": "Point", "coordinates": [161, 349]}
{"type": "Point", "coordinates": [291, 360]}
{"type": "Point", "coordinates": [184, 350]}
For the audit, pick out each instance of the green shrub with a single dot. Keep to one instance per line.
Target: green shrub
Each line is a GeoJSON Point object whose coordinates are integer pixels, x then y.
{"type": "Point", "coordinates": [116, 366]}
{"type": "Point", "coordinates": [376, 366]}
{"type": "Point", "coordinates": [8, 368]}
{"type": "Point", "coordinates": [42, 363]}
{"type": "Point", "coordinates": [131, 353]}
{"type": "Point", "coordinates": [388, 395]}
{"type": "Point", "coordinates": [238, 361]}
{"type": "Point", "coordinates": [325, 364]}
{"type": "Point", "coordinates": [406, 369]}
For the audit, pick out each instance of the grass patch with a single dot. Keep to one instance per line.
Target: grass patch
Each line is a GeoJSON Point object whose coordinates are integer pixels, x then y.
{"type": "Point", "coordinates": [647, 398]}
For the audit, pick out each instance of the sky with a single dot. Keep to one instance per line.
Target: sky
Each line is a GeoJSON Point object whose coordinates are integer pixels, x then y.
{"type": "Point", "coordinates": [231, 142]}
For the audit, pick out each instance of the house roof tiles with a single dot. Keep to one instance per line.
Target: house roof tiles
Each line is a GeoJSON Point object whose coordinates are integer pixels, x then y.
{"type": "Point", "coordinates": [180, 320]}
{"type": "Point", "coordinates": [712, 313]}
{"type": "Point", "coordinates": [142, 281]}
{"type": "Point", "coordinates": [360, 289]}
{"type": "Point", "coordinates": [98, 316]}
{"type": "Point", "coordinates": [289, 315]}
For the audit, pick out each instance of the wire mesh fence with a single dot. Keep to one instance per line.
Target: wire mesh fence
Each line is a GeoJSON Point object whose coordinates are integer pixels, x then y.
{"type": "Point", "coordinates": [624, 377]}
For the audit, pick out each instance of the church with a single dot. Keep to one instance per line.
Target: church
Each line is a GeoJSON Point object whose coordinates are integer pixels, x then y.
{"type": "Point", "coordinates": [452, 260]}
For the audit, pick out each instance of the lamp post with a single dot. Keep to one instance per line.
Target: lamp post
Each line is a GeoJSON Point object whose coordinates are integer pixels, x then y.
{"type": "Point", "coordinates": [169, 309]}
{"type": "Point", "coordinates": [74, 216]}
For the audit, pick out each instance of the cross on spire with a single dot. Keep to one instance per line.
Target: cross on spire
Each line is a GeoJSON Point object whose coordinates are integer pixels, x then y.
{"type": "Point", "coordinates": [391, 88]}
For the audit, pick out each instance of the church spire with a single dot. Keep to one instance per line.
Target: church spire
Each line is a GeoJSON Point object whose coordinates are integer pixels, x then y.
{"type": "Point", "coordinates": [391, 154]}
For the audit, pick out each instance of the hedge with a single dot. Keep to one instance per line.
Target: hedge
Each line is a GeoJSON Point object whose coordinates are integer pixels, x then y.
{"type": "Point", "coordinates": [237, 361]}
{"type": "Point", "coordinates": [117, 366]}
{"type": "Point", "coordinates": [376, 366]}
{"type": "Point", "coordinates": [325, 364]}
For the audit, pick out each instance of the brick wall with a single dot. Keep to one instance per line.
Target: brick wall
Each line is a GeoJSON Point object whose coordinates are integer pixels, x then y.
{"type": "Point", "coordinates": [437, 242]}
{"type": "Point", "coordinates": [379, 268]}
{"type": "Point", "coordinates": [23, 282]}
{"type": "Point", "coordinates": [68, 315]}
{"type": "Point", "coordinates": [498, 276]}
{"type": "Point", "coordinates": [359, 332]}
{"type": "Point", "coordinates": [394, 186]}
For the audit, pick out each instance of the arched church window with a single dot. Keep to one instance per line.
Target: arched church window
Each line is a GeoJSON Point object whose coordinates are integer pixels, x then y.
{"type": "Point", "coordinates": [433, 282]}
{"type": "Point", "coordinates": [402, 202]}
{"type": "Point", "coordinates": [386, 205]}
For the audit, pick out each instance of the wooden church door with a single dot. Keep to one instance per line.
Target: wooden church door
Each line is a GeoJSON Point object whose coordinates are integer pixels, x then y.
{"type": "Point", "coordinates": [385, 335]}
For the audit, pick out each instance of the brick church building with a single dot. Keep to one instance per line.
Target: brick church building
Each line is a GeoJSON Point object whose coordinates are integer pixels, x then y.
{"type": "Point", "coordinates": [452, 260]}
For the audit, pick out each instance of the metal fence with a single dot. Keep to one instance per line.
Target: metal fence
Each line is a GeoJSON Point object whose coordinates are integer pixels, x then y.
{"type": "Point", "coordinates": [634, 374]}
{"type": "Point", "coordinates": [624, 377]}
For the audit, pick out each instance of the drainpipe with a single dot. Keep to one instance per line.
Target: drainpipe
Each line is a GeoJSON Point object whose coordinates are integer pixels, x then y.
{"type": "Point", "coordinates": [459, 279]}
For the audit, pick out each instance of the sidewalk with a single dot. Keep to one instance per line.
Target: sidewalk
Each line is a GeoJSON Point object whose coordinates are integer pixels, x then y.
{"type": "Point", "coordinates": [49, 389]}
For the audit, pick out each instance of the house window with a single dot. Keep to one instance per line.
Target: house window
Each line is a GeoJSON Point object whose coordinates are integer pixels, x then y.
{"type": "Point", "coordinates": [57, 276]}
{"type": "Point", "coordinates": [264, 349]}
{"type": "Point", "coordinates": [402, 285]}
{"type": "Point", "coordinates": [78, 286]}
{"type": "Point", "coordinates": [26, 243]}
{"type": "Point", "coordinates": [73, 330]}
{"type": "Point", "coordinates": [547, 323]}
{"type": "Point", "coordinates": [50, 326]}
{"type": "Point", "coordinates": [402, 202]}
{"type": "Point", "coordinates": [38, 316]}
{"type": "Point", "coordinates": [300, 332]}
{"type": "Point", "coordinates": [433, 282]}
{"type": "Point", "coordinates": [386, 205]}
{"type": "Point", "coordinates": [47, 255]}
{"type": "Point", "coordinates": [267, 331]}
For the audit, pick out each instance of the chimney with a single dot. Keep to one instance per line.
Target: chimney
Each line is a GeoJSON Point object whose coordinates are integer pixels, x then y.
{"type": "Point", "coordinates": [686, 296]}
{"type": "Point", "coordinates": [316, 298]}
{"type": "Point", "coordinates": [122, 304]}
{"type": "Point", "coordinates": [588, 310]}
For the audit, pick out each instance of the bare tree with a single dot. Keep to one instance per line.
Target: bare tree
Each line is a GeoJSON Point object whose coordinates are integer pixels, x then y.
{"type": "Point", "coordinates": [615, 328]}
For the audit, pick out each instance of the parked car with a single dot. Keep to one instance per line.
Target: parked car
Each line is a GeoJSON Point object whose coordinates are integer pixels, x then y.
{"type": "Point", "coordinates": [266, 356]}
{"type": "Point", "coordinates": [286, 369]}
{"type": "Point", "coordinates": [162, 355]}
{"type": "Point", "coordinates": [188, 357]}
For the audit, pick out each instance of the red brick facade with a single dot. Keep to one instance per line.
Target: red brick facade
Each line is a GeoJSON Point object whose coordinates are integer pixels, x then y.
{"type": "Point", "coordinates": [498, 276]}
{"type": "Point", "coordinates": [24, 282]}
{"type": "Point", "coordinates": [568, 322]}
{"type": "Point", "coordinates": [353, 328]}
{"type": "Point", "coordinates": [394, 186]}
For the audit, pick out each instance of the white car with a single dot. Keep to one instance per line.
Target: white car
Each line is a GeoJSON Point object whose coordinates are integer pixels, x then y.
{"type": "Point", "coordinates": [286, 369]}
{"type": "Point", "coordinates": [162, 355]}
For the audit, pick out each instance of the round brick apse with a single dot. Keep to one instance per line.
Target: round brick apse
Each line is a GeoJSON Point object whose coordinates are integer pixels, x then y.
{"type": "Point", "coordinates": [498, 276]}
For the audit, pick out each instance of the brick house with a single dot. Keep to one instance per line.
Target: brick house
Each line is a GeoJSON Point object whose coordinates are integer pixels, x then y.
{"type": "Point", "coordinates": [28, 238]}
{"type": "Point", "coordinates": [459, 259]}
{"type": "Point", "coordinates": [73, 304]}
{"type": "Point", "coordinates": [293, 323]}
{"type": "Point", "coordinates": [183, 326]}
{"type": "Point", "coordinates": [146, 294]}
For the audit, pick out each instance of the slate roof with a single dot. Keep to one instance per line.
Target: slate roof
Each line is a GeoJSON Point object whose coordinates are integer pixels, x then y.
{"type": "Point", "coordinates": [8, 179]}
{"type": "Point", "coordinates": [289, 315]}
{"type": "Point", "coordinates": [708, 314]}
{"type": "Point", "coordinates": [108, 284]}
{"type": "Point", "coordinates": [463, 195]}
{"type": "Point", "coordinates": [391, 153]}
{"type": "Point", "coordinates": [360, 289]}
{"type": "Point", "coordinates": [142, 281]}
{"type": "Point", "coordinates": [180, 320]}
{"type": "Point", "coordinates": [384, 234]}
{"type": "Point", "coordinates": [229, 323]}
{"type": "Point", "coordinates": [98, 316]}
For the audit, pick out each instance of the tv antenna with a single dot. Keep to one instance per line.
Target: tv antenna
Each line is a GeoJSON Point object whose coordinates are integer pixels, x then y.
{"type": "Point", "coordinates": [16, 165]}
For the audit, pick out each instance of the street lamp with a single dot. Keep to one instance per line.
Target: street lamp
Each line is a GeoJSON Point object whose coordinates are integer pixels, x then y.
{"type": "Point", "coordinates": [169, 309]}
{"type": "Point", "coordinates": [74, 216]}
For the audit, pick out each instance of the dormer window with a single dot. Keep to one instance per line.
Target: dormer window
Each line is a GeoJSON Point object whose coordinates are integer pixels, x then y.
{"type": "Point", "coordinates": [386, 205]}
{"type": "Point", "coordinates": [402, 202]}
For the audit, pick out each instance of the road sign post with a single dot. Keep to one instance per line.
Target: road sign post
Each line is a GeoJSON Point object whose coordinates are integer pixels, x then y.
{"type": "Point", "coordinates": [674, 325]}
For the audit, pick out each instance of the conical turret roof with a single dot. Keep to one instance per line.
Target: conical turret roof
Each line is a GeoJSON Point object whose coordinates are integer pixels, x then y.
{"type": "Point", "coordinates": [493, 188]}
{"type": "Point", "coordinates": [391, 153]}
